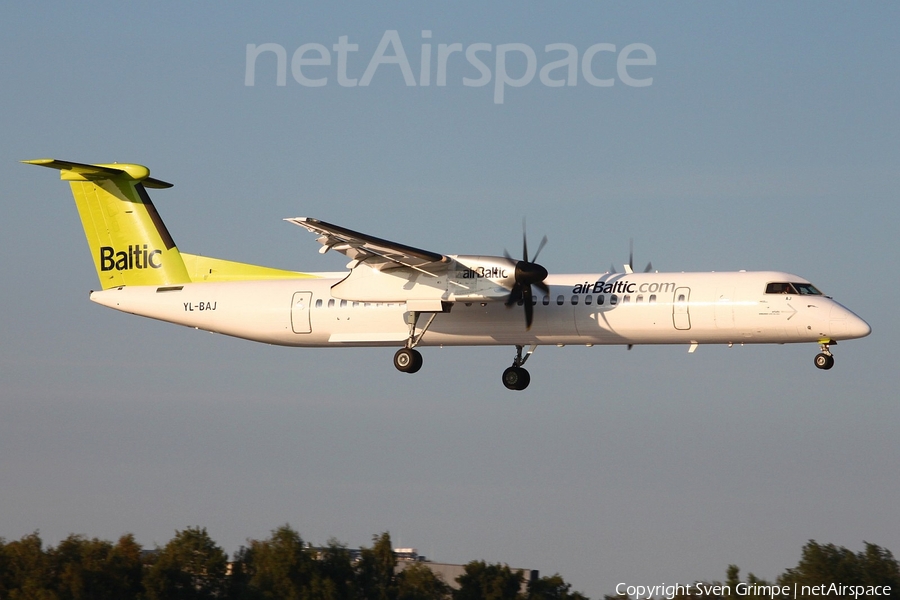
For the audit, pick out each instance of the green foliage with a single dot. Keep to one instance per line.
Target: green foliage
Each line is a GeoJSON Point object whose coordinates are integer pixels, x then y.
{"type": "Point", "coordinates": [190, 567]}
{"type": "Point", "coordinates": [418, 582]}
{"type": "Point", "coordinates": [375, 570]}
{"type": "Point", "coordinates": [280, 567]}
{"type": "Point", "coordinates": [827, 563]}
{"type": "Point", "coordinates": [25, 570]}
{"type": "Point", "coordinates": [95, 569]}
{"type": "Point", "coordinates": [552, 588]}
{"type": "Point", "coordinates": [482, 581]}
{"type": "Point", "coordinates": [336, 571]}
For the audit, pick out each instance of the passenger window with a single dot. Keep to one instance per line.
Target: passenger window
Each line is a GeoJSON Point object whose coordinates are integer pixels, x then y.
{"type": "Point", "coordinates": [319, 303]}
{"type": "Point", "coordinates": [639, 299]}
{"type": "Point", "coordinates": [546, 300]}
{"type": "Point", "coordinates": [626, 299]}
{"type": "Point", "coordinates": [356, 305]}
{"type": "Point", "coordinates": [613, 300]}
{"type": "Point", "coordinates": [574, 299]}
{"type": "Point", "coordinates": [331, 303]}
{"type": "Point", "coordinates": [560, 299]}
{"type": "Point", "coordinates": [343, 304]}
{"type": "Point", "coordinates": [600, 300]}
{"type": "Point", "coordinates": [588, 299]}
{"type": "Point", "coordinates": [534, 300]}
{"type": "Point", "coordinates": [652, 298]}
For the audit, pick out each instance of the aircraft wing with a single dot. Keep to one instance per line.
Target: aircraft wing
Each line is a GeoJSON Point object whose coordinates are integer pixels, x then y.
{"type": "Point", "coordinates": [362, 248]}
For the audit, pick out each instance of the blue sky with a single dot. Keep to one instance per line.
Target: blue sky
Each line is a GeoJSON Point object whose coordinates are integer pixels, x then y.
{"type": "Point", "coordinates": [767, 140]}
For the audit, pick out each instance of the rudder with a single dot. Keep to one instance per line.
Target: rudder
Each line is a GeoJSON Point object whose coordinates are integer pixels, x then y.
{"type": "Point", "coordinates": [129, 242]}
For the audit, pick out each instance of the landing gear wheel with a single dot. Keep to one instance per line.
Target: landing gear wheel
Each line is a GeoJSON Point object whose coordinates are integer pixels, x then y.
{"type": "Point", "coordinates": [408, 360]}
{"type": "Point", "coordinates": [824, 361]}
{"type": "Point", "coordinates": [516, 378]}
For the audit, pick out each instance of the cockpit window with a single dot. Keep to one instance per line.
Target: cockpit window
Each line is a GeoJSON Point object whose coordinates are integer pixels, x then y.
{"type": "Point", "coordinates": [807, 289]}
{"type": "Point", "coordinates": [780, 288]}
{"type": "Point", "coordinates": [783, 287]}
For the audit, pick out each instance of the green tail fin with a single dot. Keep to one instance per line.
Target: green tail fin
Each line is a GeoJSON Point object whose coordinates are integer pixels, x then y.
{"type": "Point", "coordinates": [128, 241]}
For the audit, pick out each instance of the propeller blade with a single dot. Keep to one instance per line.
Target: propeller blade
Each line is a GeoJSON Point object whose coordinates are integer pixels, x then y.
{"type": "Point", "coordinates": [528, 273]}
{"type": "Point", "coordinates": [540, 247]}
{"type": "Point", "coordinates": [529, 306]}
{"type": "Point", "coordinates": [648, 268]}
{"type": "Point", "coordinates": [515, 295]}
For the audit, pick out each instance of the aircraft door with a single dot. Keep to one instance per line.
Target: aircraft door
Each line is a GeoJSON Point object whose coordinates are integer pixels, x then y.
{"type": "Point", "coordinates": [300, 312]}
{"type": "Point", "coordinates": [724, 308]}
{"type": "Point", "coordinates": [680, 314]}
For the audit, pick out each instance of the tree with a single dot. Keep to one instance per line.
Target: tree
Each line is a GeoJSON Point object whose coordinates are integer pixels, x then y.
{"type": "Point", "coordinates": [825, 564]}
{"type": "Point", "coordinates": [879, 567]}
{"type": "Point", "coordinates": [96, 569]}
{"type": "Point", "coordinates": [336, 569]}
{"type": "Point", "coordinates": [280, 567]}
{"type": "Point", "coordinates": [482, 581]}
{"type": "Point", "coordinates": [552, 588]}
{"type": "Point", "coordinates": [190, 567]}
{"type": "Point", "coordinates": [24, 570]}
{"type": "Point", "coordinates": [375, 570]}
{"type": "Point", "coordinates": [419, 582]}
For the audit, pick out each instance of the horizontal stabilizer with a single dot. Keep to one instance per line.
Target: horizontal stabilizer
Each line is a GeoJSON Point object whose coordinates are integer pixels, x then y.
{"type": "Point", "coordinates": [72, 171]}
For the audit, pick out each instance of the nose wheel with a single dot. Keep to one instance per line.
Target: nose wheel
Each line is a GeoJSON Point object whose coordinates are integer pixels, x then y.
{"type": "Point", "coordinates": [825, 359]}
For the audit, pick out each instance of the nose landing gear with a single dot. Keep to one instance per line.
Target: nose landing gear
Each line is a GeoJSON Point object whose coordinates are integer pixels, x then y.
{"type": "Point", "coordinates": [825, 360]}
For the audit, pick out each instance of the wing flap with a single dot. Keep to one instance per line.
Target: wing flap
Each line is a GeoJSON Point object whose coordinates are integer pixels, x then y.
{"type": "Point", "coordinates": [363, 248]}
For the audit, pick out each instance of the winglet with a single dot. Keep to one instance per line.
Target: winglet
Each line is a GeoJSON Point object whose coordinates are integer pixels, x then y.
{"type": "Point", "coordinates": [72, 171]}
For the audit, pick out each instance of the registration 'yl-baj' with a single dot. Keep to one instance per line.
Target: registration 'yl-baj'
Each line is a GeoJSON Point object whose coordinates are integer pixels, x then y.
{"type": "Point", "coordinates": [396, 295]}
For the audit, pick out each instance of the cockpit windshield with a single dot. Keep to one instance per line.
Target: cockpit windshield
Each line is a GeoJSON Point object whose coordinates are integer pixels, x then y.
{"type": "Point", "coordinates": [801, 289]}
{"type": "Point", "coordinates": [807, 289]}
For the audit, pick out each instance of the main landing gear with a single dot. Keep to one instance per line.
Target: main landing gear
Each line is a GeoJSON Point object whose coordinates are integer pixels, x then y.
{"type": "Point", "coordinates": [825, 360]}
{"type": "Point", "coordinates": [408, 359]}
{"type": "Point", "coordinates": [515, 377]}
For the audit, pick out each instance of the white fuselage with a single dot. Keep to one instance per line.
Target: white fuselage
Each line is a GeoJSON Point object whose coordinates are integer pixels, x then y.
{"type": "Point", "coordinates": [633, 308]}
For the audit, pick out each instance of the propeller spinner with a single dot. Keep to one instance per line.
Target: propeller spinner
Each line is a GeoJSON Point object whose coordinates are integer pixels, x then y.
{"type": "Point", "coordinates": [528, 273]}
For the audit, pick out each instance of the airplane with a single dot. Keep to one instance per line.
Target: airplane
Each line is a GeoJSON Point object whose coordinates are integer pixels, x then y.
{"type": "Point", "coordinates": [393, 295]}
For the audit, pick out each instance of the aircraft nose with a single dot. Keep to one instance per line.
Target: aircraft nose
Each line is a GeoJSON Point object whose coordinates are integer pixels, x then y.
{"type": "Point", "coordinates": [858, 328]}
{"type": "Point", "coordinates": [845, 325]}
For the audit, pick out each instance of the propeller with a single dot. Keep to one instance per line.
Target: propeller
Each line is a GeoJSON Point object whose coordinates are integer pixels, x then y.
{"type": "Point", "coordinates": [528, 273]}
{"type": "Point", "coordinates": [629, 268]}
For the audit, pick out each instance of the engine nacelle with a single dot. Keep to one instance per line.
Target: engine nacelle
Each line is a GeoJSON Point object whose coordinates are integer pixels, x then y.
{"type": "Point", "coordinates": [480, 278]}
{"type": "Point", "coordinates": [463, 279]}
